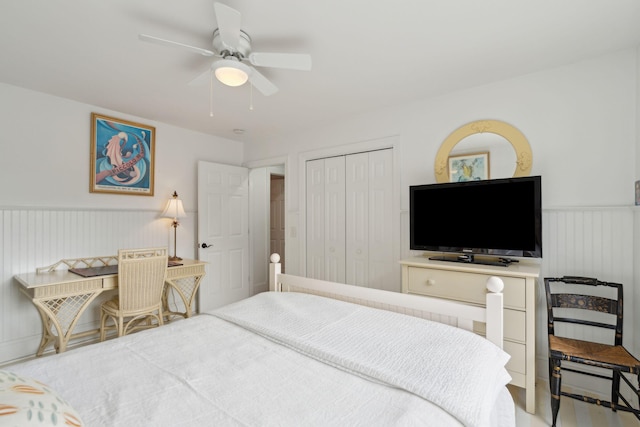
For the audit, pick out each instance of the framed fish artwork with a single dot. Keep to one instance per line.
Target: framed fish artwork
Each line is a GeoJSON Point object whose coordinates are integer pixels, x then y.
{"type": "Point", "coordinates": [122, 156]}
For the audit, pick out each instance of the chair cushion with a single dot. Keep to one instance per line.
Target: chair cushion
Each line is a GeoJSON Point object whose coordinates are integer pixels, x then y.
{"type": "Point", "coordinates": [27, 402]}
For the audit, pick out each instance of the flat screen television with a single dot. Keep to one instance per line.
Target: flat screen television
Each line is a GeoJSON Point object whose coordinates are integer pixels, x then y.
{"type": "Point", "coordinates": [496, 217]}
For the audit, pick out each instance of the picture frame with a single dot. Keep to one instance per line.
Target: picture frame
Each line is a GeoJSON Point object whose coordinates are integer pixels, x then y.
{"type": "Point", "coordinates": [122, 159]}
{"type": "Point", "coordinates": [469, 167]}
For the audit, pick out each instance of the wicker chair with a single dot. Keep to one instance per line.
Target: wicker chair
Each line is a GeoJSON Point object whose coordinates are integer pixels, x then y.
{"type": "Point", "coordinates": [567, 303]}
{"type": "Point", "coordinates": [141, 278]}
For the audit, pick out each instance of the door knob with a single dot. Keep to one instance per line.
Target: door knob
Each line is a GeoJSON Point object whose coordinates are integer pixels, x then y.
{"type": "Point", "coordinates": [205, 246]}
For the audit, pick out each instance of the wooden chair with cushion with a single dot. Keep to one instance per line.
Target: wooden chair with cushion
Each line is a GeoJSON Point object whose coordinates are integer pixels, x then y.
{"type": "Point", "coordinates": [141, 278]}
{"type": "Point", "coordinates": [571, 306]}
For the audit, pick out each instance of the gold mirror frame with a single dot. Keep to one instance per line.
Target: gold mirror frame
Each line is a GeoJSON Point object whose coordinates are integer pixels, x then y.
{"type": "Point", "coordinates": [524, 157]}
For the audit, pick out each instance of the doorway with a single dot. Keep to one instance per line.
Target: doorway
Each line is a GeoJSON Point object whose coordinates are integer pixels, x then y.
{"type": "Point", "coordinates": [266, 222]}
{"type": "Point", "coordinates": [276, 218]}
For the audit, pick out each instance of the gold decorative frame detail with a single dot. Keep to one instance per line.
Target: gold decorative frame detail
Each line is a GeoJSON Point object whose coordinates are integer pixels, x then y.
{"type": "Point", "coordinates": [524, 157]}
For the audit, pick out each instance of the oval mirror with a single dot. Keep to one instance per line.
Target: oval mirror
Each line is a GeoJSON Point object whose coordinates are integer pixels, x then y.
{"type": "Point", "coordinates": [487, 136]}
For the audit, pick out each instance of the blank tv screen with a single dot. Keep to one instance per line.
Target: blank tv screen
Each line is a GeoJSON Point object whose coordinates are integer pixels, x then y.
{"type": "Point", "coordinates": [492, 216]}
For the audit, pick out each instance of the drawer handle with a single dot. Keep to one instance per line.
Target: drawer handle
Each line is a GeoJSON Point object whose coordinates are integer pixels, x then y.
{"type": "Point", "coordinates": [431, 282]}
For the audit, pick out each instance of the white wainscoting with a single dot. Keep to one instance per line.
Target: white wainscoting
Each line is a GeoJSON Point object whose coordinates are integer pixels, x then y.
{"type": "Point", "coordinates": [585, 241]}
{"type": "Point", "coordinates": [34, 238]}
{"type": "Point", "coordinates": [593, 242]}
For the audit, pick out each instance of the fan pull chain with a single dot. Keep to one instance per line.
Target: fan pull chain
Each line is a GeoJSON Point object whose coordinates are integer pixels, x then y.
{"type": "Point", "coordinates": [250, 97]}
{"type": "Point", "coordinates": [211, 94]}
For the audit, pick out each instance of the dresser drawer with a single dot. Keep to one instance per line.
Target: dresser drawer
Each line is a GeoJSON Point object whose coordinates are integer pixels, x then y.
{"type": "Point", "coordinates": [515, 327]}
{"type": "Point", "coordinates": [518, 354]}
{"type": "Point", "coordinates": [466, 282]}
{"type": "Point", "coordinates": [468, 287]}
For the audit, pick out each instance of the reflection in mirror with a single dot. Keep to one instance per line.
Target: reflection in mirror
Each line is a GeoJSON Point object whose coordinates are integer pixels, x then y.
{"type": "Point", "coordinates": [505, 160]}
{"type": "Point", "coordinates": [502, 157]}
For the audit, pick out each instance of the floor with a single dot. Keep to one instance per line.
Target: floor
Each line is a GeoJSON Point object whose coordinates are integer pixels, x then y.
{"type": "Point", "coordinates": [573, 413]}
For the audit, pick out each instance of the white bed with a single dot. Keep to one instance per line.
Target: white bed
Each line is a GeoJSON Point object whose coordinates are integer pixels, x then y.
{"type": "Point", "coordinates": [291, 358]}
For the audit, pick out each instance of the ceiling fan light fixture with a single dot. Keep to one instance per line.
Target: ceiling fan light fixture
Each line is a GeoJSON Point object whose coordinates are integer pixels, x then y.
{"type": "Point", "coordinates": [231, 72]}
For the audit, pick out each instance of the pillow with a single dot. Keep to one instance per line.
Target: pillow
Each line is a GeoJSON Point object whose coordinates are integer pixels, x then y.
{"type": "Point", "coordinates": [25, 402]}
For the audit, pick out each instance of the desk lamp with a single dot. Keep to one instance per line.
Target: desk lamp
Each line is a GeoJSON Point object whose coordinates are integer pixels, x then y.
{"type": "Point", "coordinates": [174, 210]}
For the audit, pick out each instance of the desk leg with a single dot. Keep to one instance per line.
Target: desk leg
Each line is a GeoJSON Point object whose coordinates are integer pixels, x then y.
{"type": "Point", "coordinates": [59, 317]}
{"type": "Point", "coordinates": [186, 288]}
{"type": "Point", "coordinates": [47, 336]}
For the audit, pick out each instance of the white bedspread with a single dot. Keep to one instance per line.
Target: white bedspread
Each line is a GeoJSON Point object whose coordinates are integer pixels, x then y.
{"type": "Point", "coordinates": [455, 369]}
{"type": "Point", "coordinates": [205, 371]}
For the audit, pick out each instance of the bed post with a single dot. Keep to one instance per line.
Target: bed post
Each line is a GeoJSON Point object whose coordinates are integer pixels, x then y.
{"type": "Point", "coordinates": [495, 313]}
{"type": "Point", "coordinates": [274, 270]}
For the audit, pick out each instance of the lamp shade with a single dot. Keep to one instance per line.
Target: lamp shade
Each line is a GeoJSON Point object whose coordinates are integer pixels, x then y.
{"type": "Point", "coordinates": [231, 72]}
{"type": "Point", "coordinates": [174, 208]}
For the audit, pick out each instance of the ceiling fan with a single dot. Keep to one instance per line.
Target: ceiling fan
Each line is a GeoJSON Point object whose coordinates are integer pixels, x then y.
{"type": "Point", "coordinates": [233, 47]}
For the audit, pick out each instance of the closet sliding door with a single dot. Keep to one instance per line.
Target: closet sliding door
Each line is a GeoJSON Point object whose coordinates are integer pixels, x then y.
{"type": "Point", "coordinates": [349, 219]}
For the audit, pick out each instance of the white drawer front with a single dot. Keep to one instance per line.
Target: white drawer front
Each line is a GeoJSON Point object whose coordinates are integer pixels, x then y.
{"type": "Point", "coordinates": [518, 360]}
{"type": "Point", "coordinates": [515, 327]}
{"type": "Point", "coordinates": [469, 287]}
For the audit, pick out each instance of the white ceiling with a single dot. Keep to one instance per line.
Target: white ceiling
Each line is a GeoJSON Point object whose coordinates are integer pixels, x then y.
{"type": "Point", "coordinates": [367, 54]}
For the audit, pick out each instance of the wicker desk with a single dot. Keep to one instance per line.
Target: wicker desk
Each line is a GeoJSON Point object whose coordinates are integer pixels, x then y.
{"type": "Point", "coordinates": [62, 296]}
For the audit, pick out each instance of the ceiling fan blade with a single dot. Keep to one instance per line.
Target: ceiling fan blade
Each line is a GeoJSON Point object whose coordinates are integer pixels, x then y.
{"type": "Point", "coordinates": [157, 40]}
{"type": "Point", "coordinates": [201, 79]}
{"type": "Point", "coordinates": [291, 61]}
{"type": "Point", "coordinates": [228, 25]}
{"type": "Point", "coordinates": [261, 83]}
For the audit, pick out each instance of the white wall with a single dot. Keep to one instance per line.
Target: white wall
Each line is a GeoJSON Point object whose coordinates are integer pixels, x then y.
{"type": "Point", "coordinates": [45, 144]}
{"type": "Point", "coordinates": [581, 121]}
{"type": "Point", "coordinates": [636, 234]}
{"type": "Point", "coordinates": [47, 212]}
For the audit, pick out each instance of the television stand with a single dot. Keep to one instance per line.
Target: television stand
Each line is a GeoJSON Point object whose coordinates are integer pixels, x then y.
{"type": "Point", "coordinates": [471, 259]}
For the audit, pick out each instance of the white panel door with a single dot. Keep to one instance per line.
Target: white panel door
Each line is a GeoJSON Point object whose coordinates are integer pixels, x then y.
{"type": "Point", "coordinates": [383, 266]}
{"type": "Point", "coordinates": [334, 219]}
{"type": "Point", "coordinates": [369, 220]}
{"type": "Point", "coordinates": [325, 219]}
{"type": "Point", "coordinates": [315, 219]}
{"type": "Point", "coordinates": [350, 222]}
{"type": "Point", "coordinates": [357, 219]}
{"type": "Point", "coordinates": [223, 224]}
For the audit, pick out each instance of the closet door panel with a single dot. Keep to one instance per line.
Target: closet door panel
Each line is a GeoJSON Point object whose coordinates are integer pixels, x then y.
{"type": "Point", "coordinates": [315, 219]}
{"type": "Point", "coordinates": [382, 263]}
{"type": "Point", "coordinates": [334, 219]}
{"type": "Point", "coordinates": [350, 220]}
{"type": "Point", "coordinates": [357, 219]}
